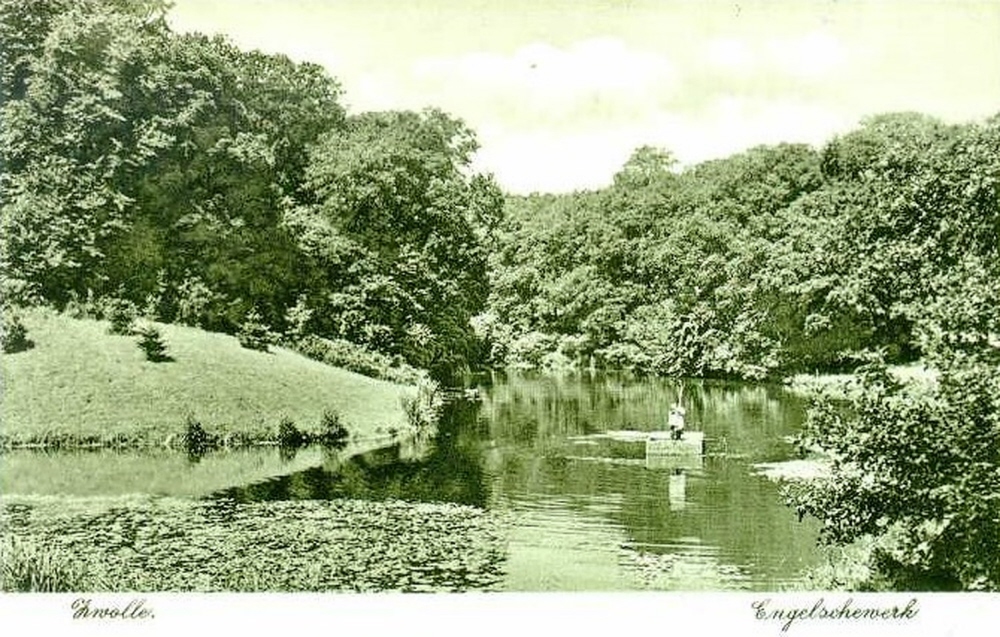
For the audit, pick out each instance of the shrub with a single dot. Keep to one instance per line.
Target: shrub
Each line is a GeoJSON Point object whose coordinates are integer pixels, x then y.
{"type": "Point", "coordinates": [358, 359]}
{"type": "Point", "coordinates": [121, 315]}
{"type": "Point", "coordinates": [332, 432]}
{"type": "Point", "coordinates": [83, 308]}
{"type": "Point", "coordinates": [14, 334]}
{"type": "Point", "coordinates": [195, 302]}
{"type": "Point", "coordinates": [528, 349]}
{"type": "Point", "coordinates": [254, 334]}
{"type": "Point", "coordinates": [424, 409]}
{"type": "Point", "coordinates": [289, 436]}
{"type": "Point", "coordinates": [298, 318]}
{"type": "Point", "coordinates": [914, 465]}
{"type": "Point", "coordinates": [196, 440]}
{"type": "Point", "coordinates": [151, 343]}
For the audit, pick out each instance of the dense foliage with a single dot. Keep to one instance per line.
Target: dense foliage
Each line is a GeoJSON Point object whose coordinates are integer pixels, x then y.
{"type": "Point", "coordinates": [776, 259]}
{"type": "Point", "coordinates": [917, 465]}
{"type": "Point", "coordinates": [228, 189]}
{"type": "Point", "coordinates": [883, 244]}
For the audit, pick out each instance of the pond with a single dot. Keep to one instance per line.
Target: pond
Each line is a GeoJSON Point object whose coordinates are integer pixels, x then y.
{"type": "Point", "coordinates": [581, 514]}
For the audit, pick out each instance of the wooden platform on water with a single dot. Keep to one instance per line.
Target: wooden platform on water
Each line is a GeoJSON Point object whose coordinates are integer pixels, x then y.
{"type": "Point", "coordinates": [661, 443]}
{"type": "Point", "coordinates": [656, 443]}
{"type": "Point", "coordinates": [652, 449]}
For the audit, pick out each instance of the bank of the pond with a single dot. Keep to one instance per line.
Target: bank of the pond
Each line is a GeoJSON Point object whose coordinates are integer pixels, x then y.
{"type": "Point", "coordinates": [843, 385]}
{"type": "Point", "coordinates": [80, 385]}
{"type": "Point", "coordinates": [166, 544]}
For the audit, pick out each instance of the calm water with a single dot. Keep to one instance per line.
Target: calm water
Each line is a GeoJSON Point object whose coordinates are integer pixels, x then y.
{"type": "Point", "coordinates": [583, 515]}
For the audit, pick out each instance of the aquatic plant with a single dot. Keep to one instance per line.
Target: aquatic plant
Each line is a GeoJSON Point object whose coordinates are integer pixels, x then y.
{"type": "Point", "coordinates": [165, 544]}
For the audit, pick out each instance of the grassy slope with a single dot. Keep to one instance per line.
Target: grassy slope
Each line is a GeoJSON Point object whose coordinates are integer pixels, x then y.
{"type": "Point", "coordinates": [81, 382]}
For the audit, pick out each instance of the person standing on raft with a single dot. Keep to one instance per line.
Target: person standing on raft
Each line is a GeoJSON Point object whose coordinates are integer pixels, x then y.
{"type": "Point", "coordinates": [676, 421]}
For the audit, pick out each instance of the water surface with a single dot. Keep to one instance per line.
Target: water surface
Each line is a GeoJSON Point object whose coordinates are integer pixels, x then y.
{"type": "Point", "coordinates": [582, 515]}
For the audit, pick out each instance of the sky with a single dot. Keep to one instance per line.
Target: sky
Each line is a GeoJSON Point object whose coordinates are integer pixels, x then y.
{"type": "Point", "coordinates": [560, 92]}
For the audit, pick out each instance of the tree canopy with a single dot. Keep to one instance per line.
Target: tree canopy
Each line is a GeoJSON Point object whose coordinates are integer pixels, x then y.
{"type": "Point", "coordinates": [204, 184]}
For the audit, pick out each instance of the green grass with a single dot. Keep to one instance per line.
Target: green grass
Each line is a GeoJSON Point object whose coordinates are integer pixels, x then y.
{"type": "Point", "coordinates": [25, 567]}
{"type": "Point", "coordinates": [81, 385]}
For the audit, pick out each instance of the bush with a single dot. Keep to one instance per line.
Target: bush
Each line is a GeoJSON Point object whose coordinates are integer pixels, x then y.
{"type": "Point", "coordinates": [298, 318]}
{"type": "Point", "coordinates": [82, 308]}
{"type": "Point", "coordinates": [151, 343]}
{"type": "Point", "coordinates": [254, 334]}
{"type": "Point", "coordinates": [196, 440]}
{"type": "Point", "coordinates": [424, 409]}
{"type": "Point", "coordinates": [289, 436]}
{"type": "Point", "coordinates": [915, 466]}
{"type": "Point", "coordinates": [356, 358]}
{"type": "Point", "coordinates": [15, 334]}
{"type": "Point", "coordinates": [528, 349]}
{"type": "Point", "coordinates": [332, 432]}
{"type": "Point", "coordinates": [27, 568]}
{"type": "Point", "coordinates": [195, 303]}
{"type": "Point", "coordinates": [122, 316]}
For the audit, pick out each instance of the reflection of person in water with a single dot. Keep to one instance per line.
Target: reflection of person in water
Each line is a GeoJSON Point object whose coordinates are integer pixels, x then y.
{"type": "Point", "coordinates": [676, 490]}
{"type": "Point", "coordinates": [676, 421]}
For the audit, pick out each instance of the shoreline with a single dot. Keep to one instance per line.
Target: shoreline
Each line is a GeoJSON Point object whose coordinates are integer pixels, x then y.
{"type": "Point", "coordinates": [233, 441]}
{"type": "Point", "coordinates": [842, 385]}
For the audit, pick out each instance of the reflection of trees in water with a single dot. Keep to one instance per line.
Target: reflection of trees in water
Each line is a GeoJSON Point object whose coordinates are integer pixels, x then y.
{"type": "Point", "coordinates": [741, 517]}
{"type": "Point", "coordinates": [533, 408]}
{"type": "Point", "coordinates": [511, 449]}
{"type": "Point", "coordinates": [449, 471]}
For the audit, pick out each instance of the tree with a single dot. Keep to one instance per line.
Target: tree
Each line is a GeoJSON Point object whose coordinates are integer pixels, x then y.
{"type": "Point", "coordinates": [918, 465]}
{"type": "Point", "coordinates": [399, 231]}
{"type": "Point", "coordinates": [142, 163]}
{"type": "Point", "coordinates": [67, 145]}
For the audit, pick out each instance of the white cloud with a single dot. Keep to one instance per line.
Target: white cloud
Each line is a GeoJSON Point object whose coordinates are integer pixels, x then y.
{"type": "Point", "coordinates": [730, 54]}
{"type": "Point", "coordinates": [811, 56]}
{"type": "Point", "coordinates": [559, 119]}
{"type": "Point", "coordinates": [591, 79]}
{"type": "Point", "coordinates": [548, 161]}
{"type": "Point", "coordinates": [543, 160]}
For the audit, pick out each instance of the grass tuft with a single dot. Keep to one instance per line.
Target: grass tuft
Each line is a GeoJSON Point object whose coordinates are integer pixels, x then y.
{"type": "Point", "coordinates": [26, 567]}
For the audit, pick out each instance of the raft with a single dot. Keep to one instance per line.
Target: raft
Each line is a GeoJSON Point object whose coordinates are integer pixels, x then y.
{"type": "Point", "coordinates": [661, 443]}
{"type": "Point", "coordinates": [654, 449]}
{"type": "Point", "coordinates": [657, 443]}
